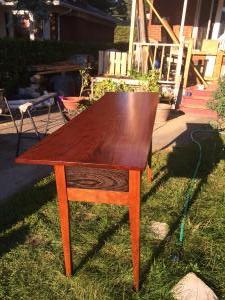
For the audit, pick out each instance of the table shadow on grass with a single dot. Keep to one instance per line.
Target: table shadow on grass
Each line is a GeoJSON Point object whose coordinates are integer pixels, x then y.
{"type": "Point", "coordinates": [26, 203]}
{"type": "Point", "coordinates": [180, 163]}
{"type": "Point", "coordinates": [13, 239]}
{"type": "Point", "coordinates": [107, 234]}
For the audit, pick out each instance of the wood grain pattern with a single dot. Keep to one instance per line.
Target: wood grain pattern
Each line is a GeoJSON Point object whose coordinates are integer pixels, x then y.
{"type": "Point", "coordinates": [97, 179]}
{"type": "Point", "coordinates": [115, 132]}
{"type": "Point", "coordinates": [98, 196]}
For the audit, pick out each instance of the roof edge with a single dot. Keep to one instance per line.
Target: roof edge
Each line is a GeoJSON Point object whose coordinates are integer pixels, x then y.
{"type": "Point", "coordinates": [106, 18]}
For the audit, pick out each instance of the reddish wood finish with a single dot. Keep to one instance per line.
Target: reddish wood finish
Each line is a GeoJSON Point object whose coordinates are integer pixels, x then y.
{"type": "Point", "coordinates": [64, 216]}
{"type": "Point", "coordinates": [134, 217]}
{"type": "Point", "coordinates": [115, 133]}
{"type": "Point", "coordinates": [98, 196]}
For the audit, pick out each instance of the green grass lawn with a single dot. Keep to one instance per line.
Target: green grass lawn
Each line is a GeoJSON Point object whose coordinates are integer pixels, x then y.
{"type": "Point", "coordinates": [31, 259]}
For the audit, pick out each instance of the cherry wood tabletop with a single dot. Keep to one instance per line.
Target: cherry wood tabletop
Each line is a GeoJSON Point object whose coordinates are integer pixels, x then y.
{"type": "Point", "coordinates": [115, 132]}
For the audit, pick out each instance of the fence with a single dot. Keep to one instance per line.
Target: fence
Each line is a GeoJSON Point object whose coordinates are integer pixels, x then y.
{"type": "Point", "coordinates": [112, 63]}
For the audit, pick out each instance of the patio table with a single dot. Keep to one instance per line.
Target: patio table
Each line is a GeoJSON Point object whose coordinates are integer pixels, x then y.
{"type": "Point", "coordinates": [99, 157]}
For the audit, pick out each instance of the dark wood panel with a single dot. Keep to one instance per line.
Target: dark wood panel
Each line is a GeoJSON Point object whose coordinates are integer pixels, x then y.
{"type": "Point", "coordinates": [115, 132]}
{"type": "Point", "coordinates": [97, 179]}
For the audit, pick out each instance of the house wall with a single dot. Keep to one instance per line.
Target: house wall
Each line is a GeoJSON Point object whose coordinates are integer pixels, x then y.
{"type": "Point", "coordinates": [172, 11]}
{"type": "Point", "coordinates": [2, 24]}
{"type": "Point", "coordinates": [73, 28]}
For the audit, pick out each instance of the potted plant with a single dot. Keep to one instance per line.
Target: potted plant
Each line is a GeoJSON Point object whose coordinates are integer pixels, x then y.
{"type": "Point", "coordinates": [71, 103]}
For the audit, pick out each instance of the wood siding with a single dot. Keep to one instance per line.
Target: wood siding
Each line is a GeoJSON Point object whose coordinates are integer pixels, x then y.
{"type": "Point", "coordinates": [81, 30]}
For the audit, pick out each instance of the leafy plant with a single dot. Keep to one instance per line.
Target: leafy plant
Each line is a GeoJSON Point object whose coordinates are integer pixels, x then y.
{"type": "Point", "coordinates": [85, 79]}
{"type": "Point", "coordinates": [218, 103]}
{"type": "Point", "coordinates": [100, 88]}
{"type": "Point", "coordinates": [147, 83]}
{"type": "Point", "coordinates": [150, 80]}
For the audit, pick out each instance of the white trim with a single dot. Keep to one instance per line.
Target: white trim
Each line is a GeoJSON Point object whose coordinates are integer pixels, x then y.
{"type": "Point", "coordinates": [184, 12]}
{"type": "Point", "coordinates": [131, 38]}
{"type": "Point", "coordinates": [210, 19]}
{"type": "Point", "coordinates": [196, 21]}
{"type": "Point", "coordinates": [216, 27]}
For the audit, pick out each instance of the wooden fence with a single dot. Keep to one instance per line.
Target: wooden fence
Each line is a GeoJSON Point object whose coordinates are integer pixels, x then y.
{"type": "Point", "coordinates": [113, 63]}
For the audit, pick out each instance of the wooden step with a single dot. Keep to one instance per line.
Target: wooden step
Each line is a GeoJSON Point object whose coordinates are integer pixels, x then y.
{"type": "Point", "coordinates": [199, 111]}
{"type": "Point", "coordinates": [186, 101]}
{"type": "Point", "coordinates": [199, 94]}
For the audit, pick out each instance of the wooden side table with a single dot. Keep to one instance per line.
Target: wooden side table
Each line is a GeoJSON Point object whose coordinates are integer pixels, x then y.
{"type": "Point", "coordinates": [99, 156]}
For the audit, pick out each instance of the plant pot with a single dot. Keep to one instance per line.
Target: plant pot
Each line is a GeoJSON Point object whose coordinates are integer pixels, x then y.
{"type": "Point", "coordinates": [71, 103]}
{"type": "Point", "coordinates": [163, 112]}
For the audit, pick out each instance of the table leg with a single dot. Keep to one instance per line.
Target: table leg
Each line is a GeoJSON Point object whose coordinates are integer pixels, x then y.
{"type": "Point", "coordinates": [134, 217]}
{"type": "Point", "coordinates": [64, 216]}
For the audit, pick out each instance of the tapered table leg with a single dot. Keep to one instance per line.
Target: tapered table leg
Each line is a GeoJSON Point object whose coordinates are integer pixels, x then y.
{"type": "Point", "coordinates": [134, 217]}
{"type": "Point", "coordinates": [64, 216]}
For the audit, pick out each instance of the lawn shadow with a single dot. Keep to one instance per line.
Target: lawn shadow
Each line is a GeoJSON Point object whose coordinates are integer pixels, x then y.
{"type": "Point", "coordinates": [107, 234]}
{"type": "Point", "coordinates": [25, 203]}
{"type": "Point", "coordinates": [13, 239]}
{"type": "Point", "coordinates": [181, 164]}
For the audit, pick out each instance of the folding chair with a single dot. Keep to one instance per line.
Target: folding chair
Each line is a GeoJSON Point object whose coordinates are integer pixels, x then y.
{"type": "Point", "coordinates": [25, 107]}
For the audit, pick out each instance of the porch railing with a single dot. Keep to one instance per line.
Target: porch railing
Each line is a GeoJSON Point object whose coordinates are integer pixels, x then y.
{"type": "Point", "coordinates": [166, 58]}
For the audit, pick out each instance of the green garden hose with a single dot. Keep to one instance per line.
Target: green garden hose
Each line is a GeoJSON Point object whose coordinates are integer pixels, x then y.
{"type": "Point", "coordinates": [191, 187]}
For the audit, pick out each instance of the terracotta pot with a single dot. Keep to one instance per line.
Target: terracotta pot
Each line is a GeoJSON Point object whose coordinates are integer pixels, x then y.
{"type": "Point", "coordinates": [163, 112]}
{"type": "Point", "coordinates": [71, 103]}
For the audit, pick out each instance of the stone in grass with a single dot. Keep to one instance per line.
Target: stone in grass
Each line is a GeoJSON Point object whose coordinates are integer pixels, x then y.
{"type": "Point", "coordinates": [159, 230]}
{"type": "Point", "coordinates": [190, 287]}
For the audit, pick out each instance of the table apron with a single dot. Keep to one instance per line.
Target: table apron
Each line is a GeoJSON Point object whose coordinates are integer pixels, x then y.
{"type": "Point", "coordinates": [98, 196]}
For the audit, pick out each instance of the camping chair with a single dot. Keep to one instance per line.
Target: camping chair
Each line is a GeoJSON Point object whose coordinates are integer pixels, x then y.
{"type": "Point", "coordinates": [11, 108]}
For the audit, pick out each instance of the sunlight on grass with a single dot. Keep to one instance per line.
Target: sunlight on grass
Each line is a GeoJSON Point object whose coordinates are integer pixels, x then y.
{"type": "Point", "coordinates": [31, 259]}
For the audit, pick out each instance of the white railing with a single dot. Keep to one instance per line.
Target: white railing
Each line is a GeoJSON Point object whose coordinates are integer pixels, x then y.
{"type": "Point", "coordinates": [166, 58]}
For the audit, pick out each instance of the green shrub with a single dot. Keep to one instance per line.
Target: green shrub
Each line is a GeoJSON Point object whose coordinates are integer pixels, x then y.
{"type": "Point", "coordinates": [121, 34]}
{"type": "Point", "coordinates": [148, 83]}
{"type": "Point", "coordinates": [218, 103]}
{"type": "Point", "coordinates": [17, 55]}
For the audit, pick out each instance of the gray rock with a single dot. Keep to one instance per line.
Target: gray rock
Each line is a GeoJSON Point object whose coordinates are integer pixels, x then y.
{"type": "Point", "coordinates": [159, 230]}
{"type": "Point", "coordinates": [191, 287]}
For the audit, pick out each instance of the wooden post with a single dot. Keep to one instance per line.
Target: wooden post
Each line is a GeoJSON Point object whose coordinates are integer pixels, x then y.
{"type": "Point", "coordinates": [182, 24]}
{"type": "Point", "coordinates": [142, 22]}
{"type": "Point", "coordinates": [210, 19]}
{"type": "Point", "coordinates": [143, 36]}
{"type": "Point", "coordinates": [218, 65]}
{"type": "Point", "coordinates": [131, 39]}
{"type": "Point", "coordinates": [216, 26]}
{"type": "Point", "coordinates": [196, 21]}
{"type": "Point", "coordinates": [188, 62]}
{"type": "Point", "coordinates": [178, 69]}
